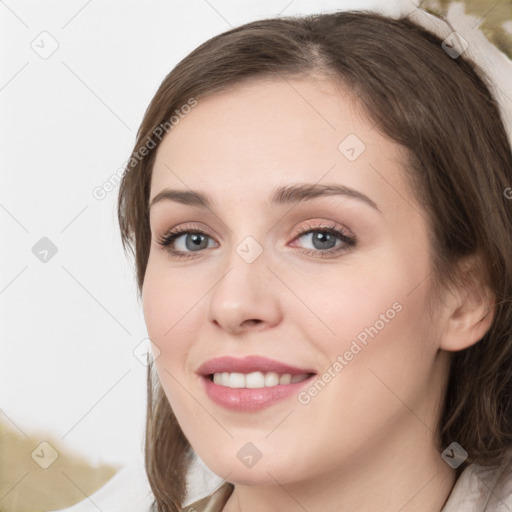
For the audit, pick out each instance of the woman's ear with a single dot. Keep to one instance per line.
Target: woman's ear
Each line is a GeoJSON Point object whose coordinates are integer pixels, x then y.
{"type": "Point", "coordinates": [469, 308]}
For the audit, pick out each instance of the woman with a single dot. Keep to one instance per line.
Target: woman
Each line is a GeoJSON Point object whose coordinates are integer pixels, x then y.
{"type": "Point", "coordinates": [318, 213]}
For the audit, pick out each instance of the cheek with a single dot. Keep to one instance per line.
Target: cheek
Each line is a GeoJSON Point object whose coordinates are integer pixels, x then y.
{"type": "Point", "coordinates": [163, 310]}
{"type": "Point", "coordinates": [373, 366]}
{"type": "Point", "coordinates": [383, 347]}
{"type": "Point", "coordinates": [167, 312]}
{"type": "Point", "coordinates": [374, 313]}
{"type": "Point", "coordinates": [174, 315]}
{"type": "Point", "coordinates": [342, 304]}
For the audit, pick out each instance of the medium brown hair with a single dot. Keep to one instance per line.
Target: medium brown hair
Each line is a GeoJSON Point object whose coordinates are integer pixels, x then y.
{"type": "Point", "coordinates": [441, 110]}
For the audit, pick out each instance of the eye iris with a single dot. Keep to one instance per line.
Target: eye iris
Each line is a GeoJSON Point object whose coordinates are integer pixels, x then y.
{"type": "Point", "coordinates": [196, 241]}
{"type": "Point", "coordinates": [322, 237]}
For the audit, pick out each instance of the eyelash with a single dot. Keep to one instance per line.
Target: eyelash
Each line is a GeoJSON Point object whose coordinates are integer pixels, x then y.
{"type": "Point", "coordinates": [350, 241]}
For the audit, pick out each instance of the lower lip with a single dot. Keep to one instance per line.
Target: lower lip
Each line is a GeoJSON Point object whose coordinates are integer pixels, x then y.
{"type": "Point", "coordinates": [251, 399]}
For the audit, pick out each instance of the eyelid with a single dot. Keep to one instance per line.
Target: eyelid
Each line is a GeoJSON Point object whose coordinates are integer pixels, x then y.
{"type": "Point", "coordinates": [189, 226]}
{"type": "Point", "coordinates": [322, 224]}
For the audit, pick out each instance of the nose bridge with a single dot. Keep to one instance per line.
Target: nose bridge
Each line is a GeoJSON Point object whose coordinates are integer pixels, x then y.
{"type": "Point", "coordinates": [244, 252]}
{"type": "Point", "coordinates": [244, 272]}
{"type": "Point", "coordinates": [243, 293]}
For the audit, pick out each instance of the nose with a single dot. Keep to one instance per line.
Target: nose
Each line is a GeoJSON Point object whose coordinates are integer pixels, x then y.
{"type": "Point", "coordinates": [245, 297]}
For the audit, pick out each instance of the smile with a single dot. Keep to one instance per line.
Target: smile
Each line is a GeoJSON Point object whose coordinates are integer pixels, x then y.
{"type": "Point", "coordinates": [251, 383]}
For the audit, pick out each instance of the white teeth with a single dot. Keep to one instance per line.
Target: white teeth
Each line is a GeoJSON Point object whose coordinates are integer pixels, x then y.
{"type": "Point", "coordinates": [271, 379]}
{"type": "Point", "coordinates": [286, 378]}
{"type": "Point", "coordinates": [236, 380]}
{"type": "Point", "coordinates": [256, 380]}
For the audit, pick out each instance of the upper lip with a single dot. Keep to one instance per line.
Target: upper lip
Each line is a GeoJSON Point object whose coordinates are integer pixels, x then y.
{"type": "Point", "coordinates": [248, 364]}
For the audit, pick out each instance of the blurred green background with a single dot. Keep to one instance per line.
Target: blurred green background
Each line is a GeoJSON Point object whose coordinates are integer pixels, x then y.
{"type": "Point", "coordinates": [493, 13]}
{"type": "Point", "coordinates": [71, 478]}
{"type": "Point", "coordinates": [67, 481]}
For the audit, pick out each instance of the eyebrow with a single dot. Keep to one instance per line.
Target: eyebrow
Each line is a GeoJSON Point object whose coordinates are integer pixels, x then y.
{"type": "Point", "coordinates": [282, 195]}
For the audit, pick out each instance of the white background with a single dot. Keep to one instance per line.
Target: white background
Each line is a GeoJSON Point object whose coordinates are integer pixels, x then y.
{"type": "Point", "coordinates": [68, 122]}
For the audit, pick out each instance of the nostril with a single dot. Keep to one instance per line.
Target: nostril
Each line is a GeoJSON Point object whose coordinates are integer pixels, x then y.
{"type": "Point", "coordinates": [252, 322]}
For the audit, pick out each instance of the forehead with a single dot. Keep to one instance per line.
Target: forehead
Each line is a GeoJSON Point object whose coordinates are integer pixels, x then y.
{"type": "Point", "coordinates": [272, 132]}
{"type": "Point", "coordinates": [272, 116]}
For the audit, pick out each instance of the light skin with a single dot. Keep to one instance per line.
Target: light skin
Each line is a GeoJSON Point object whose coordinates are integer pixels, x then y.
{"type": "Point", "coordinates": [366, 441]}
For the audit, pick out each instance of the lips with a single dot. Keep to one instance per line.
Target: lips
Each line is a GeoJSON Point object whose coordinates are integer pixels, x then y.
{"type": "Point", "coordinates": [251, 383]}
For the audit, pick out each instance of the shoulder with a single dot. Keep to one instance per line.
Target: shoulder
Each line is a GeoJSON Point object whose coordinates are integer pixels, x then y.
{"type": "Point", "coordinates": [482, 489]}
{"type": "Point", "coordinates": [127, 491]}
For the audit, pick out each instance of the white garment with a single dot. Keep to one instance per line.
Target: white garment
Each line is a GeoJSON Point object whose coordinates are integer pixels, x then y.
{"type": "Point", "coordinates": [129, 490]}
{"type": "Point", "coordinates": [478, 490]}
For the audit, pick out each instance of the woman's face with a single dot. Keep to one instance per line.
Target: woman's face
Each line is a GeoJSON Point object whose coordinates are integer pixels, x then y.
{"type": "Point", "coordinates": [332, 359]}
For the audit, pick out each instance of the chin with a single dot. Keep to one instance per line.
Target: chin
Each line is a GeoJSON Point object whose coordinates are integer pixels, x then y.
{"type": "Point", "coordinates": [262, 472]}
